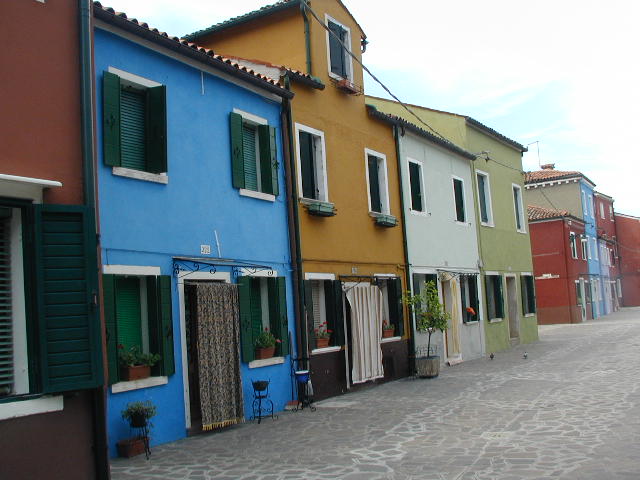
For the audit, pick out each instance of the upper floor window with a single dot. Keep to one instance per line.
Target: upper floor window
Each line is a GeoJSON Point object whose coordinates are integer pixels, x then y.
{"type": "Point", "coordinates": [339, 37]}
{"type": "Point", "coordinates": [590, 205]}
{"type": "Point", "coordinates": [377, 183]}
{"type": "Point", "coordinates": [416, 186]}
{"type": "Point", "coordinates": [584, 204]}
{"type": "Point", "coordinates": [484, 198]}
{"type": "Point", "coordinates": [601, 210]}
{"type": "Point", "coordinates": [585, 248]}
{"type": "Point", "coordinates": [572, 243]}
{"type": "Point", "coordinates": [518, 210]}
{"type": "Point", "coordinates": [312, 171]}
{"type": "Point", "coordinates": [611, 212]}
{"type": "Point", "coordinates": [458, 198]}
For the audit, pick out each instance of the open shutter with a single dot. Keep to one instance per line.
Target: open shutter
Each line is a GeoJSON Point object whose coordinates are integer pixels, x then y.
{"type": "Point", "coordinates": [333, 302]}
{"type": "Point", "coordinates": [156, 151]}
{"type": "Point", "coordinates": [109, 300]}
{"type": "Point", "coordinates": [278, 312]}
{"type": "Point", "coordinates": [161, 323]}
{"type": "Point", "coordinates": [488, 287]}
{"type": "Point", "coordinates": [523, 294]}
{"type": "Point", "coordinates": [111, 118]}
{"type": "Point", "coordinates": [394, 297]}
{"type": "Point", "coordinates": [268, 159]}
{"type": "Point", "coordinates": [336, 50]}
{"type": "Point", "coordinates": [374, 184]}
{"type": "Point", "coordinates": [69, 344]}
{"type": "Point", "coordinates": [307, 166]}
{"type": "Point", "coordinates": [308, 308]}
{"type": "Point", "coordinates": [237, 156]}
{"type": "Point", "coordinates": [246, 330]}
{"type": "Point", "coordinates": [532, 295]}
{"type": "Point", "coordinates": [499, 297]}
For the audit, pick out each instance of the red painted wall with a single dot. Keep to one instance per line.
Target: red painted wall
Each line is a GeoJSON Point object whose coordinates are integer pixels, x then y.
{"type": "Point", "coordinates": [628, 230]}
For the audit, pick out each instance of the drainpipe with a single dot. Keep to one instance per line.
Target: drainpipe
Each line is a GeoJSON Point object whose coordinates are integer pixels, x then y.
{"type": "Point", "coordinates": [98, 395]}
{"type": "Point", "coordinates": [294, 225]}
{"type": "Point", "coordinates": [476, 209]}
{"type": "Point", "coordinates": [307, 37]}
{"type": "Point", "coordinates": [407, 273]}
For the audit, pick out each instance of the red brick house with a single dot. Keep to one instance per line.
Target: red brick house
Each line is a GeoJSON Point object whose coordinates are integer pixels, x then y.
{"type": "Point", "coordinates": [628, 230]}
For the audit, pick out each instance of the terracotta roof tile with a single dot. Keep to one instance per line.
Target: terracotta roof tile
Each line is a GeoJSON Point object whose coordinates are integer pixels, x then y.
{"type": "Point", "coordinates": [535, 212]}
{"type": "Point", "coordinates": [542, 175]}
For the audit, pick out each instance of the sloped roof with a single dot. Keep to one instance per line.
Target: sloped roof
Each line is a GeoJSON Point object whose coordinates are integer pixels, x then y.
{"type": "Point", "coordinates": [292, 73]}
{"type": "Point", "coordinates": [189, 49]}
{"type": "Point", "coordinates": [535, 212]}
{"type": "Point", "coordinates": [545, 175]}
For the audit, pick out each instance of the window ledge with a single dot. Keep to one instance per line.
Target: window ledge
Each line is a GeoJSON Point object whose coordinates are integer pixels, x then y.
{"type": "Point", "coordinates": [140, 175]}
{"type": "Point", "coordinates": [266, 362]}
{"type": "Point", "coordinates": [390, 339]}
{"type": "Point", "coordinates": [320, 209]}
{"type": "Point", "coordinates": [419, 213]}
{"type": "Point", "coordinates": [524, 232]}
{"type": "Point", "coordinates": [320, 351]}
{"type": "Point", "coordinates": [259, 195]}
{"type": "Point", "coordinates": [495, 320]}
{"type": "Point", "coordinates": [485, 224]}
{"type": "Point", "coordinates": [138, 384]}
{"type": "Point", "coordinates": [528, 315]}
{"type": "Point", "coordinates": [24, 408]}
{"type": "Point", "coordinates": [462, 224]}
{"type": "Point", "coordinates": [474, 322]}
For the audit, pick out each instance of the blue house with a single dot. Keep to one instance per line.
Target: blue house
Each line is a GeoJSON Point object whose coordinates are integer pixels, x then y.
{"type": "Point", "coordinates": [592, 247]}
{"type": "Point", "coordinates": [193, 228]}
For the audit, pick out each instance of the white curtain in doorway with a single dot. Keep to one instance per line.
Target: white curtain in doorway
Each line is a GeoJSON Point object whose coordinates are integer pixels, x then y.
{"type": "Point", "coordinates": [367, 305]}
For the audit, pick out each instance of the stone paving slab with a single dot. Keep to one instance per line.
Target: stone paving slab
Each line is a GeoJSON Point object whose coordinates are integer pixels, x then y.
{"type": "Point", "coordinates": [571, 410]}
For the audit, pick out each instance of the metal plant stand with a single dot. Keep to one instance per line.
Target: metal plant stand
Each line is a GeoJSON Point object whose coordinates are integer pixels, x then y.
{"type": "Point", "coordinates": [139, 428]}
{"type": "Point", "coordinates": [305, 396]}
{"type": "Point", "coordinates": [262, 404]}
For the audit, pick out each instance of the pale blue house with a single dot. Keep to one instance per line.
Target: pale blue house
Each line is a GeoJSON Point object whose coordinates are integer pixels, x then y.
{"type": "Point", "coordinates": [191, 186]}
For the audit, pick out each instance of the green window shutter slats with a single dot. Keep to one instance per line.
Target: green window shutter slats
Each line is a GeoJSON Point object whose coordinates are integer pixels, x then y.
{"type": "Point", "coordinates": [336, 50]}
{"type": "Point", "coordinates": [111, 324]}
{"type": "Point", "coordinates": [308, 307]}
{"type": "Point", "coordinates": [499, 297]}
{"type": "Point", "coordinates": [246, 327]}
{"type": "Point", "coordinates": [268, 159]}
{"type": "Point", "coordinates": [111, 118]}
{"type": "Point", "coordinates": [523, 294]}
{"type": "Point", "coordinates": [128, 312]}
{"type": "Point", "coordinates": [249, 157]}
{"type": "Point", "coordinates": [374, 184]}
{"type": "Point", "coordinates": [6, 320]}
{"type": "Point", "coordinates": [394, 296]}
{"type": "Point", "coordinates": [278, 320]}
{"type": "Point", "coordinates": [489, 294]}
{"type": "Point", "coordinates": [156, 139]}
{"type": "Point", "coordinates": [416, 187]}
{"type": "Point", "coordinates": [482, 193]}
{"type": "Point", "coordinates": [133, 131]}
{"type": "Point", "coordinates": [166, 324]}
{"type": "Point", "coordinates": [256, 308]}
{"type": "Point", "coordinates": [458, 190]}
{"type": "Point", "coordinates": [69, 334]}
{"type": "Point", "coordinates": [307, 166]}
{"type": "Point", "coordinates": [237, 155]}
{"type": "Point", "coordinates": [333, 303]}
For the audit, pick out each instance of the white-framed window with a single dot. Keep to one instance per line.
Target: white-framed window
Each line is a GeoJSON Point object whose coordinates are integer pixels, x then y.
{"type": "Point", "coordinates": [416, 186]}
{"type": "Point", "coordinates": [591, 208]}
{"type": "Point", "coordinates": [338, 59]}
{"type": "Point", "coordinates": [323, 301]}
{"type": "Point", "coordinates": [585, 248]}
{"type": "Point", "coordinates": [494, 295]}
{"type": "Point", "coordinates": [518, 209]}
{"type": "Point", "coordinates": [312, 163]}
{"type": "Point", "coordinates": [574, 246]}
{"type": "Point", "coordinates": [469, 298]}
{"type": "Point", "coordinates": [601, 210]}
{"type": "Point", "coordinates": [528, 293]}
{"type": "Point", "coordinates": [484, 198]}
{"type": "Point", "coordinates": [595, 249]}
{"type": "Point", "coordinates": [584, 204]}
{"type": "Point", "coordinates": [619, 288]}
{"type": "Point", "coordinates": [460, 213]}
{"type": "Point", "coordinates": [377, 181]}
{"type": "Point", "coordinates": [611, 213]}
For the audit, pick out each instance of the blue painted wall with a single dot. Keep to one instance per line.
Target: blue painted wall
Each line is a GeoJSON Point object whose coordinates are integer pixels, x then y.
{"type": "Point", "coordinates": [586, 191]}
{"type": "Point", "coordinates": [144, 223]}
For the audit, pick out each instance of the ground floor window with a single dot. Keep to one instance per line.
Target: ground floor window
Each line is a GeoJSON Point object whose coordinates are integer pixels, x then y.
{"type": "Point", "coordinates": [528, 294]}
{"type": "Point", "coordinates": [324, 313]}
{"type": "Point", "coordinates": [495, 300]}
{"type": "Point", "coordinates": [393, 316]}
{"type": "Point", "coordinates": [469, 297]}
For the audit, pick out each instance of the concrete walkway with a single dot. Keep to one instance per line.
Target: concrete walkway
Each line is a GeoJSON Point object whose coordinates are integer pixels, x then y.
{"type": "Point", "coordinates": [571, 411]}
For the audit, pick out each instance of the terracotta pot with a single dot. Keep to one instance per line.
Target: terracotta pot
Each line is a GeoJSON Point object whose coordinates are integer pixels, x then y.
{"type": "Point", "coordinates": [322, 342]}
{"type": "Point", "coordinates": [135, 373]}
{"type": "Point", "coordinates": [130, 447]}
{"type": "Point", "coordinates": [388, 333]}
{"type": "Point", "coordinates": [262, 353]}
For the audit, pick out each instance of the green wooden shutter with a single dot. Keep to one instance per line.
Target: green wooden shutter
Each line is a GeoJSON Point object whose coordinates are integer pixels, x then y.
{"type": "Point", "coordinates": [268, 159]}
{"type": "Point", "coordinates": [532, 295]}
{"type": "Point", "coordinates": [416, 187]}
{"type": "Point", "coordinates": [473, 294]}
{"type": "Point", "coordinates": [128, 312]}
{"type": "Point", "coordinates": [307, 166]}
{"type": "Point", "coordinates": [133, 129]}
{"type": "Point", "coordinates": [278, 319]}
{"type": "Point", "coordinates": [458, 191]}
{"type": "Point", "coordinates": [111, 118]}
{"type": "Point", "coordinates": [499, 296]}
{"type": "Point", "coordinates": [109, 301]}
{"type": "Point", "coordinates": [374, 184]}
{"type": "Point", "coordinates": [256, 307]}
{"type": "Point", "coordinates": [336, 50]}
{"type": "Point", "coordinates": [308, 308]}
{"type": "Point", "coordinates": [166, 324]}
{"type": "Point", "coordinates": [488, 291]}
{"type": "Point", "coordinates": [523, 294]}
{"type": "Point", "coordinates": [333, 304]}
{"type": "Point", "coordinates": [394, 297]}
{"type": "Point", "coordinates": [237, 155]}
{"type": "Point", "coordinates": [249, 157]}
{"type": "Point", "coordinates": [246, 327]}
{"type": "Point", "coordinates": [69, 344]}
{"type": "Point", "coordinates": [6, 318]}
{"type": "Point", "coordinates": [482, 191]}
{"type": "Point", "coordinates": [156, 147]}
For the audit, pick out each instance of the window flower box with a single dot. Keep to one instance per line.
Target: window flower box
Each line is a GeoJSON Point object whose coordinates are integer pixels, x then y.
{"type": "Point", "coordinates": [386, 221]}
{"type": "Point", "coordinates": [321, 209]}
{"type": "Point", "coordinates": [348, 87]}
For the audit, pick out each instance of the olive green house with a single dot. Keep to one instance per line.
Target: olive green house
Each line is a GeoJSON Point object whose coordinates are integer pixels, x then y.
{"type": "Point", "coordinates": [507, 303]}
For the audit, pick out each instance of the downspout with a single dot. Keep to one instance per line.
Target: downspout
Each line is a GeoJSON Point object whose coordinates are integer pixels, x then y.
{"type": "Point", "coordinates": [307, 37]}
{"type": "Point", "coordinates": [407, 273]}
{"type": "Point", "coordinates": [476, 209]}
{"type": "Point", "coordinates": [294, 226]}
{"type": "Point", "coordinates": [101, 457]}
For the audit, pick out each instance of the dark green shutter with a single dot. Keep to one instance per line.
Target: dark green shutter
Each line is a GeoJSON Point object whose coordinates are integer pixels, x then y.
{"type": "Point", "coordinates": [159, 314]}
{"type": "Point", "coordinates": [307, 166]}
{"type": "Point", "coordinates": [416, 187]}
{"type": "Point", "coordinates": [308, 308]}
{"type": "Point", "coordinates": [374, 184]}
{"type": "Point", "coordinates": [237, 156]}
{"type": "Point", "coordinates": [6, 317]}
{"type": "Point", "coordinates": [111, 118]}
{"type": "Point", "coordinates": [156, 129]}
{"type": "Point", "coordinates": [249, 157]}
{"type": "Point", "coordinates": [523, 294]}
{"type": "Point", "coordinates": [336, 50]}
{"type": "Point", "coordinates": [334, 309]}
{"type": "Point", "coordinates": [532, 295]}
{"type": "Point", "coordinates": [394, 297]}
{"type": "Point", "coordinates": [70, 347]}
{"type": "Point", "coordinates": [256, 307]}
{"type": "Point", "coordinates": [472, 282]}
{"type": "Point", "coordinates": [278, 312]}
{"type": "Point", "coordinates": [109, 301]}
{"type": "Point", "coordinates": [482, 190]}
{"type": "Point", "coordinates": [133, 129]}
{"type": "Point", "coordinates": [488, 287]}
{"type": "Point", "coordinates": [128, 312]}
{"type": "Point", "coordinates": [499, 296]}
{"type": "Point", "coordinates": [458, 190]}
{"type": "Point", "coordinates": [268, 159]}
{"type": "Point", "coordinates": [246, 330]}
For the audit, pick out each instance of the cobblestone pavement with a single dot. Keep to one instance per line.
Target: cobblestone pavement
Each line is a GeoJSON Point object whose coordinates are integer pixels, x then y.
{"type": "Point", "coordinates": [571, 410]}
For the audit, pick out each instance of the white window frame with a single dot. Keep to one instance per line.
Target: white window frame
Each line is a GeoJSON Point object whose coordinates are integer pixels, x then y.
{"type": "Point", "coordinates": [515, 186]}
{"type": "Point", "coordinates": [489, 222]}
{"type": "Point", "coordinates": [349, 62]}
{"type": "Point", "coordinates": [591, 209]}
{"type": "Point", "coordinates": [321, 277]}
{"type": "Point", "coordinates": [611, 212]}
{"type": "Point", "coordinates": [601, 203]}
{"type": "Point", "coordinates": [584, 204]}
{"type": "Point", "coordinates": [595, 249]}
{"type": "Point", "coordinates": [464, 201]}
{"type": "Point", "coordinates": [321, 170]}
{"type": "Point", "coordinates": [529, 274]}
{"type": "Point", "coordinates": [424, 211]}
{"type": "Point", "coordinates": [574, 246]}
{"type": "Point", "coordinates": [383, 183]}
{"type": "Point", "coordinates": [504, 306]}
{"type": "Point", "coordinates": [584, 243]}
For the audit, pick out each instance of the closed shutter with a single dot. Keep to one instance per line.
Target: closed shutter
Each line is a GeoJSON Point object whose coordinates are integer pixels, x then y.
{"type": "Point", "coordinates": [278, 312]}
{"type": "Point", "coordinates": [250, 158]}
{"type": "Point", "coordinates": [499, 296]}
{"type": "Point", "coordinates": [458, 190]}
{"type": "Point", "coordinates": [333, 302]}
{"type": "Point", "coordinates": [307, 166]}
{"type": "Point", "coordinates": [309, 313]}
{"type": "Point", "coordinates": [111, 118]}
{"type": "Point", "coordinates": [374, 184]}
{"type": "Point", "coordinates": [473, 294]}
{"type": "Point", "coordinates": [246, 326]}
{"type": "Point", "coordinates": [133, 131]}
{"type": "Point", "coordinates": [394, 297]}
{"type": "Point", "coordinates": [156, 129]}
{"type": "Point", "coordinates": [6, 320]}
{"type": "Point", "coordinates": [336, 50]}
{"type": "Point", "coordinates": [482, 187]}
{"type": "Point", "coordinates": [490, 297]}
{"type": "Point", "coordinates": [128, 312]}
{"type": "Point", "coordinates": [237, 155]}
{"type": "Point", "coordinates": [66, 271]}
{"type": "Point", "coordinates": [416, 187]}
{"type": "Point", "coordinates": [268, 159]}
{"type": "Point", "coordinates": [109, 301]}
{"type": "Point", "coordinates": [160, 321]}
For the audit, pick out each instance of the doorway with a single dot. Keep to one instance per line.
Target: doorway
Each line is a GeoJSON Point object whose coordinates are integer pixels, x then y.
{"type": "Point", "coordinates": [512, 305]}
{"type": "Point", "coordinates": [450, 303]}
{"type": "Point", "coordinates": [582, 303]}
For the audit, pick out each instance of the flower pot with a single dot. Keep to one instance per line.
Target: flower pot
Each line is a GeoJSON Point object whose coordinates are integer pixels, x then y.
{"type": "Point", "coordinates": [388, 332]}
{"type": "Point", "coordinates": [260, 385]}
{"type": "Point", "coordinates": [428, 367]}
{"type": "Point", "coordinates": [138, 420]}
{"type": "Point", "coordinates": [135, 372]}
{"type": "Point", "coordinates": [267, 352]}
{"type": "Point", "coordinates": [130, 447]}
{"type": "Point", "coordinates": [322, 342]}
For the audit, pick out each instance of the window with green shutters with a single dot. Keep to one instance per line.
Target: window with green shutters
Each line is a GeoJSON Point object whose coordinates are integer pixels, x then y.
{"type": "Point", "coordinates": [253, 154]}
{"type": "Point", "coordinates": [323, 304]}
{"type": "Point", "coordinates": [6, 317]}
{"type": "Point", "coordinates": [469, 297]}
{"type": "Point", "coordinates": [494, 294]}
{"type": "Point", "coordinates": [263, 304]}
{"type": "Point", "coordinates": [134, 124]}
{"type": "Point", "coordinates": [458, 197]}
{"type": "Point", "coordinates": [394, 310]}
{"type": "Point", "coordinates": [311, 163]}
{"type": "Point", "coordinates": [484, 198]}
{"type": "Point", "coordinates": [415, 186]}
{"type": "Point", "coordinates": [138, 314]}
{"type": "Point", "coordinates": [376, 174]}
{"type": "Point", "coordinates": [528, 294]}
{"type": "Point", "coordinates": [518, 209]}
{"type": "Point", "coordinates": [338, 36]}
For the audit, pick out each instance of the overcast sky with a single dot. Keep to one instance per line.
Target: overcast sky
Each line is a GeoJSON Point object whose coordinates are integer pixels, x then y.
{"type": "Point", "coordinates": [562, 73]}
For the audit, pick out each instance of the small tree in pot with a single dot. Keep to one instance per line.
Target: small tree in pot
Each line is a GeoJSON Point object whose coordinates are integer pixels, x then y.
{"type": "Point", "coordinates": [430, 316]}
{"type": "Point", "coordinates": [138, 415]}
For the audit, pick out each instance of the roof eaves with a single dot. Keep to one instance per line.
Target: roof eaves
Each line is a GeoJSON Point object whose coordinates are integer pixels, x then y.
{"type": "Point", "coordinates": [481, 126]}
{"type": "Point", "coordinates": [310, 81]}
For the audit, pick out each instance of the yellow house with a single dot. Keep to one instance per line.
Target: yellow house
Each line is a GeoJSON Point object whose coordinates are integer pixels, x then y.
{"type": "Point", "coordinates": [345, 189]}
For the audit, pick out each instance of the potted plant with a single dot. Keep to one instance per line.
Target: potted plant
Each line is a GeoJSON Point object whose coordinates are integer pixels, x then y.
{"type": "Point", "coordinates": [471, 314]}
{"type": "Point", "coordinates": [430, 316]}
{"type": "Point", "coordinates": [266, 344]}
{"type": "Point", "coordinates": [323, 335]}
{"type": "Point", "coordinates": [387, 329]}
{"type": "Point", "coordinates": [134, 364]}
{"type": "Point", "coordinates": [138, 415]}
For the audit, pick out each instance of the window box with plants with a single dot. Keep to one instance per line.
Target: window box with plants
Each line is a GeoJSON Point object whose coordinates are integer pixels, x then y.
{"type": "Point", "coordinates": [138, 416]}
{"type": "Point", "coordinates": [323, 335]}
{"type": "Point", "coordinates": [321, 209]}
{"type": "Point", "coordinates": [387, 221]}
{"type": "Point", "coordinates": [134, 364]}
{"type": "Point", "coordinates": [266, 345]}
{"type": "Point", "coordinates": [388, 330]}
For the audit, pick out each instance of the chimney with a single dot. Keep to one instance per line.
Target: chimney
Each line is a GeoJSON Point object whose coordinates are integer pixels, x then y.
{"type": "Point", "coordinates": [548, 166]}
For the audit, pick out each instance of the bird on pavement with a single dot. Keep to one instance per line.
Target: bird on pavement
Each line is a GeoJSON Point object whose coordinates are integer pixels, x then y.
{"type": "Point", "coordinates": [491, 356]}
{"type": "Point", "coordinates": [525, 355]}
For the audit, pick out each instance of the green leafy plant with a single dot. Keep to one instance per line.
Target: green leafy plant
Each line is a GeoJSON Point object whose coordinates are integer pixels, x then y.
{"type": "Point", "coordinates": [429, 312]}
{"type": "Point", "coordinates": [133, 356]}
{"type": "Point", "coordinates": [266, 339]}
{"type": "Point", "coordinates": [387, 326]}
{"type": "Point", "coordinates": [139, 410]}
{"type": "Point", "coordinates": [322, 331]}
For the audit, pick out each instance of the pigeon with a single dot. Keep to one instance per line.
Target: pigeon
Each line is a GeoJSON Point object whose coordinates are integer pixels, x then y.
{"type": "Point", "coordinates": [491, 356]}
{"type": "Point", "coordinates": [525, 355]}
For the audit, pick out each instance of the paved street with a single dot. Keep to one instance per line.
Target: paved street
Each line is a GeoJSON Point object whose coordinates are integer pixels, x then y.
{"type": "Point", "coordinates": [570, 411]}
